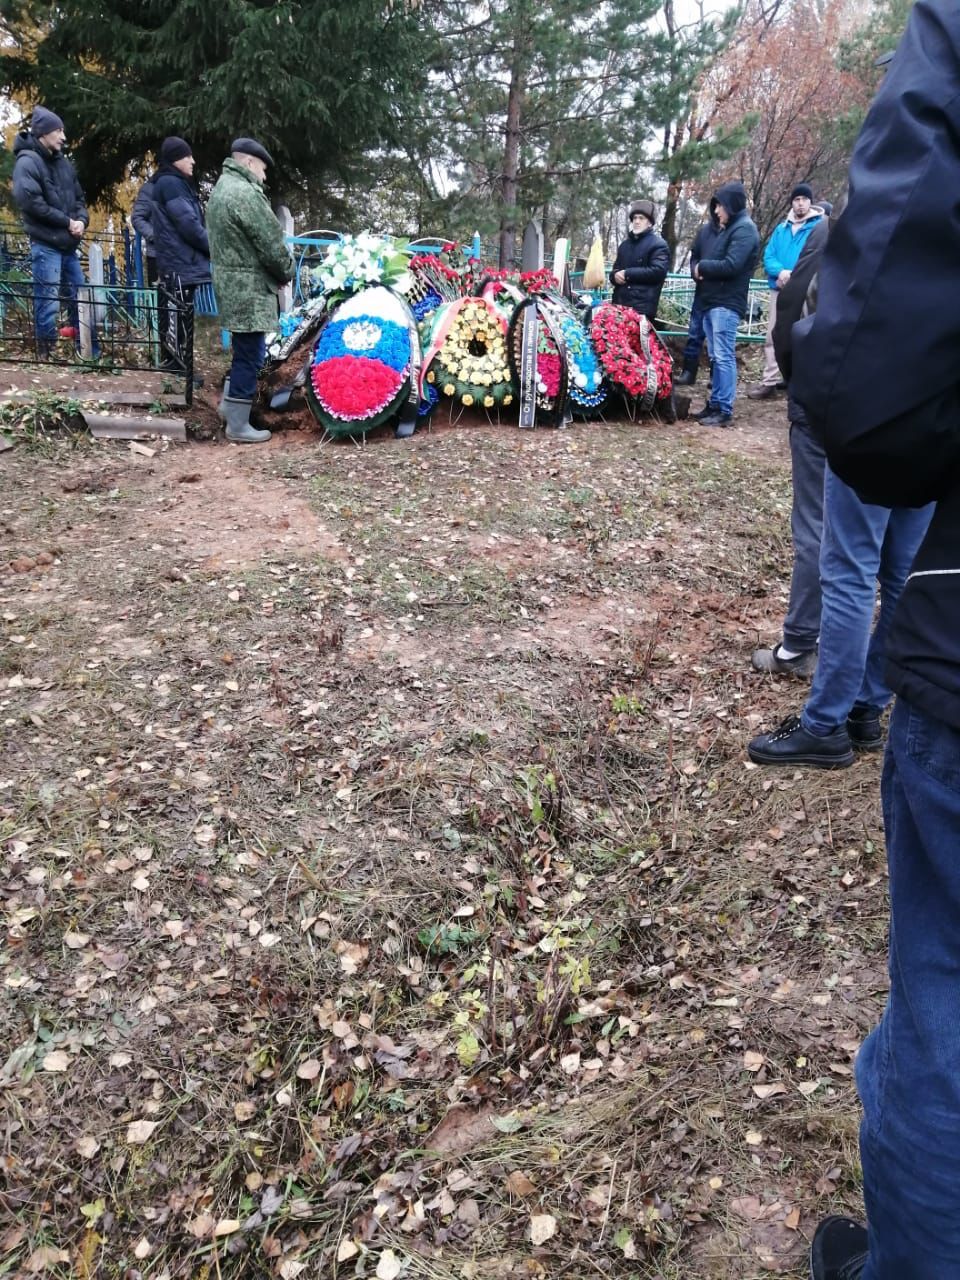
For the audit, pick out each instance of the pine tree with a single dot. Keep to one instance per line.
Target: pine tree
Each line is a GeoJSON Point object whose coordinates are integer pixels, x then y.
{"type": "Point", "coordinates": [316, 82]}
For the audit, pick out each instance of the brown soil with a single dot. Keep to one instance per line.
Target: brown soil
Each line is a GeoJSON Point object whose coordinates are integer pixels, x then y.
{"type": "Point", "coordinates": [357, 802]}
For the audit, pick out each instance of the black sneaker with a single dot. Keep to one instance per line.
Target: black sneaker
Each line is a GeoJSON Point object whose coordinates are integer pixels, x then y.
{"type": "Point", "coordinates": [705, 412]}
{"type": "Point", "coordinates": [863, 726]}
{"type": "Point", "coordinates": [792, 744]}
{"type": "Point", "coordinates": [717, 419]}
{"type": "Point", "coordinates": [839, 1250]}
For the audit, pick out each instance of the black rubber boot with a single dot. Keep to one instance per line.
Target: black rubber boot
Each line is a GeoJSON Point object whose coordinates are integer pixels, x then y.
{"type": "Point", "coordinates": [689, 375]}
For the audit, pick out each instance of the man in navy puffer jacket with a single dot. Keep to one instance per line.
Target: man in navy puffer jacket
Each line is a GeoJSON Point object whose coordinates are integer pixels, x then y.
{"type": "Point", "coordinates": [179, 237]}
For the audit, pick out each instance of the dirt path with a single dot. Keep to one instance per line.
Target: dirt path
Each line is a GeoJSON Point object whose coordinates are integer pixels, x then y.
{"type": "Point", "coordinates": [383, 877]}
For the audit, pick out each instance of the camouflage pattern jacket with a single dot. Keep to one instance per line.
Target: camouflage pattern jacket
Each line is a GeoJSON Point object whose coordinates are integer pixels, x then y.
{"type": "Point", "coordinates": [250, 258]}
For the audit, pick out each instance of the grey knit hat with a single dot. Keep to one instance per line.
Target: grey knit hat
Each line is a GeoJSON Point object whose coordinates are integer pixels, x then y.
{"type": "Point", "coordinates": [43, 122]}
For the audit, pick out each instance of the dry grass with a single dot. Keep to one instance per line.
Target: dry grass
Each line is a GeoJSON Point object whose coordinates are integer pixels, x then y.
{"type": "Point", "coordinates": [305, 848]}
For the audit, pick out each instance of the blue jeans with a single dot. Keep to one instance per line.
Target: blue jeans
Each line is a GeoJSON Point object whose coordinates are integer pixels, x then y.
{"type": "Point", "coordinates": [720, 325]}
{"type": "Point", "coordinates": [861, 544]}
{"type": "Point", "coordinates": [249, 353]}
{"type": "Point", "coordinates": [52, 270]}
{"type": "Point", "coordinates": [695, 334]}
{"type": "Point", "coordinates": [908, 1070]}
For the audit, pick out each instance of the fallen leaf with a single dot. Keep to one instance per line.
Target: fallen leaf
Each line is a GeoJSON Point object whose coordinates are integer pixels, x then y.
{"type": "Point", "coordinates": [753, 1138]}
{"type": "Point", "coordinates": [389, 1267]}
{"type": "Point", "coordinates": [201, 1226]}
{"type": "Point", "coordinates": [543, 1226]}
{"type": "Point", "coordinates": [460, 1130]}
{"type": "Point", "coordinates": [58, 1060]}
{"type": "Point", "coordinates": [753, 1061]}
{"type": "Point", "coordinates": [143, 1248]}
{"type": "Point", "coordinates": [518, 1184]}
{"type": "Point", "coordinates": [309, 1069]}
{"type": "Point", "coordinates": [140, 1131]}
{"type": "Point", "coordinates": [244, 1110]}
{"type": "Point", "coordinates": [226, 1227]}
{"type": "Point", "coordinates": [792, 1220]}
{"type": "Point", "coordinates": [347, 1250]}
{"type": "Point", "coordinates": [770, 1090]}
{"type": "Point", "coordinates": [87, 1147]}
{"type": "Point", "coordinates": [75, 940]}
{"type": "Point", "coordinates": [46, 1256]}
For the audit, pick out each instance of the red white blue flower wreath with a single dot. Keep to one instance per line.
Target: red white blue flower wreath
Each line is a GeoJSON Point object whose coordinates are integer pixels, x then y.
{"type": "Point", "coordinates": [362, 363]}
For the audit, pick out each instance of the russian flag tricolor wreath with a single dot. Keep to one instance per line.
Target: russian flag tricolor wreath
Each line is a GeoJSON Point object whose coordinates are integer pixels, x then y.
{"type": "Point", "coordinates": [362, 363]}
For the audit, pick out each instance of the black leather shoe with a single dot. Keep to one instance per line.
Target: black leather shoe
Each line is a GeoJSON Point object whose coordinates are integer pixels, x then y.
{"type": "Point", "coordinates": [792, 744]}
{"type": "Point", "coordinates": [686, 379]}
{"type": "Point", "coordinates": [705, 412]}
{"type": "Point", "coordinates": [716, 419]}
{"type": "Point", "coordinates": [863, 726]}
{"type": "Point", "coordinates": [839, 1250]}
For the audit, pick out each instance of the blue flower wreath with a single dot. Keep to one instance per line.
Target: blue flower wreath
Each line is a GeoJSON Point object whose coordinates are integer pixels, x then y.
{"type": "Point", "coordinates": [586, 376]}
{"type": "Point", "coordinates": [367, 337]}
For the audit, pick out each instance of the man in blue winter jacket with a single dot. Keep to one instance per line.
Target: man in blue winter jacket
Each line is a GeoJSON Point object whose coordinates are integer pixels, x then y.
{"type": "Point", "coordinates": [724, 279]}
{"type": "Point", "coordinates": [780, 257]}
{"type": "Point", "coordinates": [179, 240]}
{"type": "Point", "coordinates": [51, 203]}
{"type": "Point", "coordinates": [877, 372]}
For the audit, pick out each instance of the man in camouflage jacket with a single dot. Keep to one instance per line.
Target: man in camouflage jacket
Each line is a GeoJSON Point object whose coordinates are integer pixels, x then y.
{"type": "Point", "coordinates": [251, 263]}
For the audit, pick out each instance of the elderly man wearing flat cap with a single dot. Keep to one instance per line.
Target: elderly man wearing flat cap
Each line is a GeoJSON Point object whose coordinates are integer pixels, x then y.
{"type": "Point", "coordinates": [51, 203]}
{"type": "Point", "coordinates": [251, 263]}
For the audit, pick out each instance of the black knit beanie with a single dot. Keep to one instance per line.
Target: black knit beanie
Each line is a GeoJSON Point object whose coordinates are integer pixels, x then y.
{"type": "Point", "coordinates": [174, 149]}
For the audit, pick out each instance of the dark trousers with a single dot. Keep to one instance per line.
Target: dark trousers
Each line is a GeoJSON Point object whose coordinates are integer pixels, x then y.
{"type": "Point", "coordinates": [176, 322]}
{"type": "Point", "coordinates": [801, 627]}
{"type": "Point", "coordinates": [249, 353]}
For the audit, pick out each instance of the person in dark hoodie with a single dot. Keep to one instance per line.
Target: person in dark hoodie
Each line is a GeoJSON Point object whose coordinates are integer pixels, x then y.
{"type": "Point", "coordinates": [725, 278]}
{"type": "Point", "coordinates": [179, 237]}
{"type": "Point", "coordinates": [701, 248]}
{"type": "Point", "coordinates": [51, 203]}
{"type": "Point", "coordinates": [877, 371]}
{"type": "Point", "coordinates": [642, 263]}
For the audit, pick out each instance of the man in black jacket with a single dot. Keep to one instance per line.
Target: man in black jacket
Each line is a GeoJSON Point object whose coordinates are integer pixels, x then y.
{"type": "Point", "coordinates": [725, 278]}
{"type": "Point", "coordinates": [877, 371]}
{"type": "Point", "coordinates": [701, 248]}
{"type": "Point", "coordinates": [179, 239]}
{"type": "Point", "coordinates": [641, 264]}
{"type": "Point", "coordinates": [50, 200]}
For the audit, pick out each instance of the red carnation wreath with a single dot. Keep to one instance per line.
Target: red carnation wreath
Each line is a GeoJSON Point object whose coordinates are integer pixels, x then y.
{"type": "Point", "coordinates": [632, 355]}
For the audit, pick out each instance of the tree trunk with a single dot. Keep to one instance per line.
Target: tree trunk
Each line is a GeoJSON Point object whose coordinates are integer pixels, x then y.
{"type": "Point", "coordinates": [509, 185]}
